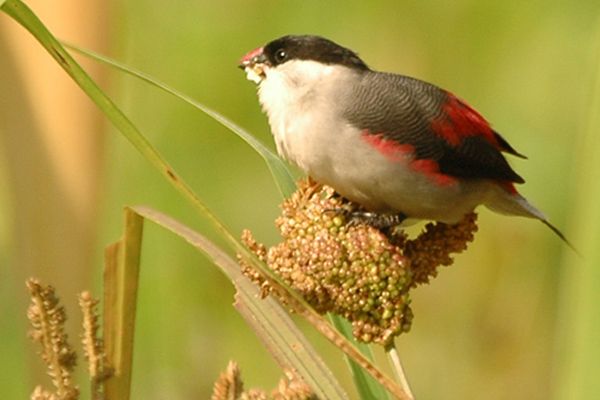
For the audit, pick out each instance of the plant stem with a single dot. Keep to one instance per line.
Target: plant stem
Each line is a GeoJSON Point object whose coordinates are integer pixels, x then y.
{"type": "Point", "coordinates": [394, 359]}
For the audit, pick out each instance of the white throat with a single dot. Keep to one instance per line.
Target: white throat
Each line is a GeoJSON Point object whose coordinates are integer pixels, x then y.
{"type": "Point", "coordinates": [299, 99]}
{"type": "Point", "coordinates": [293, 84]}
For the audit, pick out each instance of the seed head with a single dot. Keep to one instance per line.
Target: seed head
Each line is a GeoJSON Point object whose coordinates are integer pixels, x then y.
{"type": "Point", "coordinates": [356, 271]}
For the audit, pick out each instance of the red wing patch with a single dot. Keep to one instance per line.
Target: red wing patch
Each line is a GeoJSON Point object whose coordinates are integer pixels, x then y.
{"type": "Point", "coordinates": [392, 150]}
{"type": "Point", "coordinates": [460, 120]}
{"type": "Point", "coordinates": [431, 169]}
{"type": "Point", "coordinates": [396, 152]}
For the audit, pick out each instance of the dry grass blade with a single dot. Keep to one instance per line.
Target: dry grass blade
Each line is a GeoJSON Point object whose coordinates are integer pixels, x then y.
{"type": "Point", "coordinates": [281, 337]}
{"type": "Point", "coordinates": [120, 296]}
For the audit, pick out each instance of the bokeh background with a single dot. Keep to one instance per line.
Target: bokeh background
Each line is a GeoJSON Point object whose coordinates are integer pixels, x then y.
{"type": "Point", "coordinates": [515, 317]}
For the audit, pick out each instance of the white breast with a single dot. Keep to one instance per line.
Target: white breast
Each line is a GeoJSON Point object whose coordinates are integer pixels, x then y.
{"type": "Point", "coordinates": [299, 100]}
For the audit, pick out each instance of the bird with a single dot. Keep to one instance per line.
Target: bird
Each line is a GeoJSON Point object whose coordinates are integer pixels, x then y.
{"type": "Point", "coordinates": [402, 148]}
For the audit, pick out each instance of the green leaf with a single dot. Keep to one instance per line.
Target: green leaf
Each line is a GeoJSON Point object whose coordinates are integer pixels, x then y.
{"type": "Point", "coordinates": [367, 387]}
{"type": "Point", "coordinates": [272, 324]}
{"type": "Point", "coordinates": [281, 174]}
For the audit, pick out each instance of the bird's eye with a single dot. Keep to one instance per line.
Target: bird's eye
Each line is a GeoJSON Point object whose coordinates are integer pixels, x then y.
{"type": "Point", "coordinates": [280, 55]}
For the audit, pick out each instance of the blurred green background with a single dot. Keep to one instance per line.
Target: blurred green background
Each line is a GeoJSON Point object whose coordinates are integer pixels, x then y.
{"type": "Point", "coordinates": [515, 317]}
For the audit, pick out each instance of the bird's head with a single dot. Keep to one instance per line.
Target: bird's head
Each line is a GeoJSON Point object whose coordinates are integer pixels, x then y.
{"type": "Point", "coordinates": [258, 62]}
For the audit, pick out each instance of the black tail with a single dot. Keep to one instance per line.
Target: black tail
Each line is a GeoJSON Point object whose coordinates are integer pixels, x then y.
{"type": "Point", "coordinates": [560, 235]}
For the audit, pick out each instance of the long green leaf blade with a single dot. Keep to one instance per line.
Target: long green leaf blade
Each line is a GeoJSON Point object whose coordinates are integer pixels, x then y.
{"type": "Point", "coordinates": [281, 174]}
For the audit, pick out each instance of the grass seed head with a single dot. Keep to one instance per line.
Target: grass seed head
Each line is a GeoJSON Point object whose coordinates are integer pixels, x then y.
{"type": "Point", "coordinates": [355, 271]}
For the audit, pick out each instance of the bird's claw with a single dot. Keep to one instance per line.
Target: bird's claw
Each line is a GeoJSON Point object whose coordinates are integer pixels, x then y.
{"type": "Point", "coordinates": [377, 221]}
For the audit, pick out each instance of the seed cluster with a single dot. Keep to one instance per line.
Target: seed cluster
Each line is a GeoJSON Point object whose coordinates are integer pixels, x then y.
{"type": "Point", "coordinates": [47, 319]}
{"type": "Point", "coordinates": [355, 271]}
{"type": "Point", "coordinates": [435, 245]}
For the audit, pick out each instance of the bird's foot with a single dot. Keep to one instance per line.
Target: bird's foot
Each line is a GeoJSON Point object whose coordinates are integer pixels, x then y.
{"type": "Point", "coordinates": [382, 222]}
{"type": "Point", "coordinates": [378, 221]}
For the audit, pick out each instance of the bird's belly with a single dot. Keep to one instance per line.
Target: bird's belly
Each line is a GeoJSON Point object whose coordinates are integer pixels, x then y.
{"type": "Point", "coordinates": [401, 190]}
{"type": "Point", "coordinates": [365, 176]}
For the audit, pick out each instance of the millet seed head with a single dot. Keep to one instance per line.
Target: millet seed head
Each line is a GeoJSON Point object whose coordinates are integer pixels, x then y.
{"type": "Point", "coordinates": [355, 271]}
